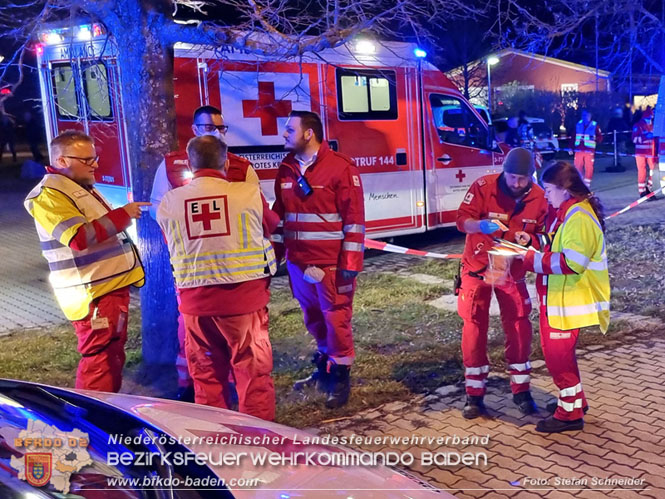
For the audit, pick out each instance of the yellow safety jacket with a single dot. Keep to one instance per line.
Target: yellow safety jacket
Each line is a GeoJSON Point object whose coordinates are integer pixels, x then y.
{"type": "Point", "coordinates": [214, 233]}
{"type": "Point", "coordinates": [582, 299]}
{"type": "Point", "coordinates": [60, 207]}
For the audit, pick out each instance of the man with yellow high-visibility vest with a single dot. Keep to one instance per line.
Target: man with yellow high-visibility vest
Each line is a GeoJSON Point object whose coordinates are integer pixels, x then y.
{"type": "Point", "coordinates": [222, 262]}
{"type": "Point", "coordinates": [587, 138]}
{"type": "Point", "coordinates": [92, 260]}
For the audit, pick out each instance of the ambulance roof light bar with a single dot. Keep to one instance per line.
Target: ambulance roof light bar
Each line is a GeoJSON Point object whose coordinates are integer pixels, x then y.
{"type": "Point", "coordinates": [365, 47]}
{"type": "Point", "coordinates": [82, 33]}
{"type": "Point", "coordinates": [419, 53]}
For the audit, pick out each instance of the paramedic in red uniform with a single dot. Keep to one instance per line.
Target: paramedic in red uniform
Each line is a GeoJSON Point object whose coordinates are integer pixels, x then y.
{"type": "Point", "coordinates": [174, 172]}
{"type": "Point", "coordinates": [512, 199]}
{"type": "Point", "coordinates": [319, 198]}
{"type": "Point", "coordinates": [92, 260]}
{"type": "Point", "coordinates": [587, 138]}
{"type": "Point", "coordinates": [645, 152]}
{"type": "Point", "coordinates": [222, 260]}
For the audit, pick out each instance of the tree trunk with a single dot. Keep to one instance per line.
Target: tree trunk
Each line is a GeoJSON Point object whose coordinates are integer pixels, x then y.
{"type": "Point", "coordinates": [146, 66]}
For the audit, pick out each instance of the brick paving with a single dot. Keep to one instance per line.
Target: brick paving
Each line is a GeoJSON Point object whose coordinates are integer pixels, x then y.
{"type": "Point", "coordinates": [623, 438]}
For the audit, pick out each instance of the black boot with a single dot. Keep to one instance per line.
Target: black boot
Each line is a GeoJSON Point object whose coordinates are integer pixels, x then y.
{"type": "Point", "coordinates": [525, 403]}
{"type": "Point", "coordinates": [474, 407]}
{"type": "Point", "coordinates": [553, 425]}
{"type": "Point", "coordinates": [339, 386]}
{"type": "Point", "coordinates": [319, 377]}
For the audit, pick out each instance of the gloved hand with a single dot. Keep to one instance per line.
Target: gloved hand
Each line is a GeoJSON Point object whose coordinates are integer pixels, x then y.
{"type": "Point", "coordinates": [348, 274]}
{"type": "Point", "coordinates": [487, 227]}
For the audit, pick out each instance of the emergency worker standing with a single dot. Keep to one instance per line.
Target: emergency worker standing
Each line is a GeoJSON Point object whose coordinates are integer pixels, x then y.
{"type": "Point", "coordinates": [645, 152]}
{"type": "Point", "coordinates": [319, 197]}
{"type": "Point", "coordinates": [221, 262]}
{"type": "Point", "coordinates": [174, 171]}
{"type": "Point", "coordinates": [509, 198]}
{"type": "Point", "coordinates": [573, 286]}
{"type": "Point", "coordinates": [92, 260]}
{"type": "Point", "coordinates": [587, 138]}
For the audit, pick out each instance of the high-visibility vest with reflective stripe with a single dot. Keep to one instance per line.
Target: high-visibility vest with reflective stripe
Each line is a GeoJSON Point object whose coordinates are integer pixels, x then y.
{"type": "Point", "coordinates": [586, 136]}
{"type": "Point", "coordinates": [78, 277]}
{"type": "Point", "coordinates": [582, 299]}
{"type": "Point", "coordinates": [230, 250]}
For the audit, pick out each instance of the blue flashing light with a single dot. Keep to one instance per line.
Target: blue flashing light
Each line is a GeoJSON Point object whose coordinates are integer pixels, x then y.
{"type": "Point", "coordinates": [418, 52]}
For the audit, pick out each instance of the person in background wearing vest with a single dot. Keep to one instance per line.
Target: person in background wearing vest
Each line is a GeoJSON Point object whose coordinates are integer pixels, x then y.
{"type": "Point", "coordinates": [587, 138]}
{"type": "Point", "coordinates": [497, 206]}
{"type": "Point", "coordinates": [174, 172]}
{"type": "Point", "coordinates": [319, 197]}
{"type": "Point", "coordinates": [645, 153]}
{"type": "Point", "coordinates": [573, 286]}
{"type": "Point", "coordinates": [221, 262]}
{"type": "Point", "coordinates": [91, 258]}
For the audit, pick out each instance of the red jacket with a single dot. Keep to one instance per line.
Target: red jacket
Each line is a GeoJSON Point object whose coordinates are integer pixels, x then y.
{"type": "Point", "coordinates": [327, 227]}
{"type": "Point", "coordinates": [487, 200]}
{"type": "Point", "coordinates": [645, 145]}
{"type": "Point", "coordinates": [179, 173]}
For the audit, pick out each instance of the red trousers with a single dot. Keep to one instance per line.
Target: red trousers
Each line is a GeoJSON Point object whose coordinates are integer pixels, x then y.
{"type": "Point", "coordinates": [584, 164]}
{"type": "Point", "coordinates": [217, 346]}
{"type": "Point", "coordinates": [559, 350]}
{"type": "Point", "coordinates": [327, 308]}
{"type": "Point", "coordinates": [101, 342]}
{"type": "Point", "coordinates": [184, 379]}
{"type": "Point", "coordinates": [473, 306]}
{"type": "Point", "coordinates": [645, 166]}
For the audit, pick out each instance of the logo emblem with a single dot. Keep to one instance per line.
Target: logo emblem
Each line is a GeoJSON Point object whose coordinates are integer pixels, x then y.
{"type": "Point", "coordinates": [207, 217]}
{"type": "Point", "coordinates": [38, 468]}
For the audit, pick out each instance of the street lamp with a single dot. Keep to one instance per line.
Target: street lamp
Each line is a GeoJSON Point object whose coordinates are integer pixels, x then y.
{"type": "Point", "coordinates": [491, 61]}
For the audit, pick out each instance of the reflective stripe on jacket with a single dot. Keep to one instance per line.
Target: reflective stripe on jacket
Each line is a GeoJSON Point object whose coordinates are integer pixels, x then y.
{"type": "Point", "coordinates": [214, 233]}
{"type": "Point", "coordinates": [326, 227]}
{"type": "Point", "coordinates": [60, 206]}
{"type": "Point", "coordinates": [585, 137]}
{"type": "Point", "coordinates": [644, 146]}
{"type": "Point", "coordinates": [581, 299]}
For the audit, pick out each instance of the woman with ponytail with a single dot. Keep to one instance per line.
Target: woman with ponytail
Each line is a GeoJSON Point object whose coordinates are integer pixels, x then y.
{"type": "Point", "coordinates": [572, 283]}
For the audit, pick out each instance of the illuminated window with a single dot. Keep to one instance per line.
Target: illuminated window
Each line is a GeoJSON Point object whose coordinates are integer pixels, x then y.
{"type": "Point", "coordinates": [97, 91]}
{"type": "Point", "coordinates": [366, 95]}
{"type": "Point", "coordinates": [64, 90]}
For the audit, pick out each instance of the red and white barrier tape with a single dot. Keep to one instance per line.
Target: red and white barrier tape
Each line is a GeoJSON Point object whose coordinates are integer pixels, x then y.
{"type": "Point", "coordinates": [391, 248]}
{"type": "Point", "coordinates": [634, 204]}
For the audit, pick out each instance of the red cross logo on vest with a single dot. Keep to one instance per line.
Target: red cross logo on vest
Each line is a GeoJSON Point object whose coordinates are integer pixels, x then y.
{"type": "Point", "coordinates": [460, 175]}
{"type": "Point", "coordinates": [266, 108]}
{"type": "Point", "coordinates": [207, 217]}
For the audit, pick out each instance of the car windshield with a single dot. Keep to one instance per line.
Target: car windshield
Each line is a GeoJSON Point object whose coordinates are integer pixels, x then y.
{"type": "Point", "coordinates": [68, 441]}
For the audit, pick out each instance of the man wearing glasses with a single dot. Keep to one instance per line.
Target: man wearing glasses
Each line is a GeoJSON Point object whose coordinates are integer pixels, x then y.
{"type": "Point", "coordinates": [175, 171]}
{"type": "Point", "coordinates": [92, 260]}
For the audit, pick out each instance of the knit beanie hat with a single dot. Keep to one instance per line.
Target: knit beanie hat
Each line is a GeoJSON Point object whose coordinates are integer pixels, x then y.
{"type": "Point", "coordinates": [519, 161]}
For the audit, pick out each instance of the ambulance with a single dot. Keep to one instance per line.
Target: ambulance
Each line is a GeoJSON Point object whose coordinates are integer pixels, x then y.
{"type": "Point", "coordinates": [417, 141]}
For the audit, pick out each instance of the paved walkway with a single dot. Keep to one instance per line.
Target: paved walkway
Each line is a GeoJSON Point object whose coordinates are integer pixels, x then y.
{"type": "Point", "coordinates": [620, 452]}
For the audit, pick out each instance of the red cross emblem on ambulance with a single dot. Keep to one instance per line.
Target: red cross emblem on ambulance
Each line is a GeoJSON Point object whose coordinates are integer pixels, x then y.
{"type": "Point", "coordinates": [207, 217]}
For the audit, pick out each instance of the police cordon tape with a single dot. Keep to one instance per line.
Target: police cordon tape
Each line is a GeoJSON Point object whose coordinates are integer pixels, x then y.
{"type": "Point", "coordinates": [393, 248]}
{"type": "Point", "coordinates": [634, 204]}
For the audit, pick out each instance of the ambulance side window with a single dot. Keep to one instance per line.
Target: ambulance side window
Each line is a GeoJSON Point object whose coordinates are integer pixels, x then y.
{"type": "Point", "coordinates": [64, 91]}
{"type": "Point", "coordinates": [366, 95]}
{"type": "Point", "coordinates": [96, 86]}
{"type": "Point", "coordinates": [455, 123]}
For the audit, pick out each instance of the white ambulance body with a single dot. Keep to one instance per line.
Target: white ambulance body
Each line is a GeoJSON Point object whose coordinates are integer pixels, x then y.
{"type": "Point", "coordinates": [417, 142]}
